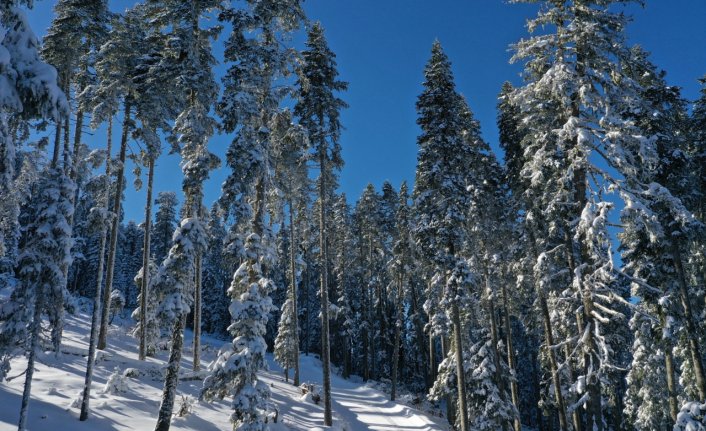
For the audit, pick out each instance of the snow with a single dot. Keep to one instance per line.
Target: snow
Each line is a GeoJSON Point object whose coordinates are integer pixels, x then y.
{"type": "Point", "coordinates": [23, 75]}
{"type": "Point", "coordinates": [57, 383]}
{"type": "Point", "coordinates": [691, 417]}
